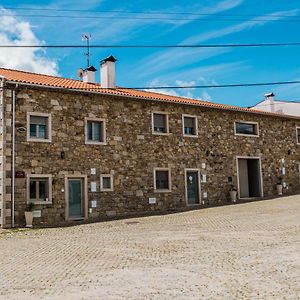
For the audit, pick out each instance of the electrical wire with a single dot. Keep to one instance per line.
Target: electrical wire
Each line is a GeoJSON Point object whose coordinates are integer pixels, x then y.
{"type": "Point", "coordinates": [159, 46]}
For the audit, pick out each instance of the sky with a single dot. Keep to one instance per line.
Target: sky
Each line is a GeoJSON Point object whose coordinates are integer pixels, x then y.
{"type": "Point", "coordinates": [160, 23]}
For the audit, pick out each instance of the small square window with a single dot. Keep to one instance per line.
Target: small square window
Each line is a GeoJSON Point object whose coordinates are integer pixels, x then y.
{"type": "Point", "coordinates": [39, 188]}
{"type": "Point", "coordinates": [160, 123]}
{"type": "Point", "coordinates": [95, 131]}
{"type": "Point", "coordinates": [298, 135]}
{"type": "Point", "coordinates": [106, 182]}
{"type": "Point", "coordinates": [162, 180]}
{"type": "Point", "coordinates": [190, 125]}
{"type": "Point", "coordinates": [39, 127]}
{"type": "Point", "coordinates": [246, 128]}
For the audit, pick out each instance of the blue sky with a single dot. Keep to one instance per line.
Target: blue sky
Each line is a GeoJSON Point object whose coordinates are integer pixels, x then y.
{"type": "Point", "coordinates": [255, 21]}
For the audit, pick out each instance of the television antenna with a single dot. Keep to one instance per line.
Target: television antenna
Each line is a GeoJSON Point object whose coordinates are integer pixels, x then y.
{"type": "Point", "coordinates": [86, 37]}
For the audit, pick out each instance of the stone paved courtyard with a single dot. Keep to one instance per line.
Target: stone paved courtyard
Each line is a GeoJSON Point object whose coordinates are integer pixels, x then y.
{"type": "Point", "coordinates": [244, 251]}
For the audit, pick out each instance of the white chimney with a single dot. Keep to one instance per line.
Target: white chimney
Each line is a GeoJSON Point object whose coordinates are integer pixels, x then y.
{"type": "Point", "coordinates": [269, 98]}
{"type": "Point", "coordinates": [107, 72]}
{"type": "Point", "coordinates": [88, 75]}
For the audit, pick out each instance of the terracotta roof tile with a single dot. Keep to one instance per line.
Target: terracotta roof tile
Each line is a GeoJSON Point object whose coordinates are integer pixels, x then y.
{"type": "Point", "coordinates": [59, 82]}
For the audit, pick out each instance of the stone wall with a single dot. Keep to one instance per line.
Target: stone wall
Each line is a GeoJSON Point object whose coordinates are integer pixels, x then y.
{"type": "Point", "coordinates": [132, 152]}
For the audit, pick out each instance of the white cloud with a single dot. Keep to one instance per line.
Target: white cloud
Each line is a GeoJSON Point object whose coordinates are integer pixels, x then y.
{"type": "Point", "coordinates": [16, 32]}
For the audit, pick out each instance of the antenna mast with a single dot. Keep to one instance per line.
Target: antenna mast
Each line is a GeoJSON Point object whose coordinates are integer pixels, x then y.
{"type": "Point", "coordinates": [86, 37]}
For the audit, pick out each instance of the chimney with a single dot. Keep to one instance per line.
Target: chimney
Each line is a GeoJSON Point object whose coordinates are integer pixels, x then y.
{"type": "Point", "coordinates": [107, 72]}
{"type": "Point", "coordinates": [269, 98]}
{"type": "Point", "coordinates": [88, 75]}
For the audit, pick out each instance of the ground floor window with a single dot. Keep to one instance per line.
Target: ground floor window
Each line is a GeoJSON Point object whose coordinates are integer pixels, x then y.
{"type": "Point", "coordinates": [39, 188]}
{"type": "Point", "coordinates": [106, 183]}
{"type": "Point", "coordinates": [162, 180]}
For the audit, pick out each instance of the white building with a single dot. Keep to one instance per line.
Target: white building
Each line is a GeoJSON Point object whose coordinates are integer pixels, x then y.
{"type": "Point", "coordinates": [276, 106]}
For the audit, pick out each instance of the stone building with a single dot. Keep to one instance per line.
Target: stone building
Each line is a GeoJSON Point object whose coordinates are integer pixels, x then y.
{"type": "Point", "coordinates": [79, 150]}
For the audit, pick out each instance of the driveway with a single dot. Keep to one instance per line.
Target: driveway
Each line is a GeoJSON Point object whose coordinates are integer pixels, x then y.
{"type": "Point", "coordinates": [243, 251]}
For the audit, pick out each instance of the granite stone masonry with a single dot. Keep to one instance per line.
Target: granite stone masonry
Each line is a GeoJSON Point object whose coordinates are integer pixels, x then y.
{"type": "Point", "coordinates": [117, 177]}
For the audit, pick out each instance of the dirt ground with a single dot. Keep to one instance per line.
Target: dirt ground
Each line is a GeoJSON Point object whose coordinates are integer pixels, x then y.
{"type": "Point", "coordinates": [245, 251]}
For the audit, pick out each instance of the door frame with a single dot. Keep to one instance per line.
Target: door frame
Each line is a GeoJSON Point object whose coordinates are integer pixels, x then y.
{"type": "Point", "coordinates": [238, 175]}
{"type": "Point", "coordinates": [84, 194]}
{"type": "Point", "coordinates": [199, 185]}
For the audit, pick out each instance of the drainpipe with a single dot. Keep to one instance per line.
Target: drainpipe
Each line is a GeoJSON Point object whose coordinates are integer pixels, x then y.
{"type": "Point", "coordinates": [13, 154]}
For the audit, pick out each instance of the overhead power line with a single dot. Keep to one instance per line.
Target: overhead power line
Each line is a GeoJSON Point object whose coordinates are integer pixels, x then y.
{"type": "Point", "coordinates": [139, 12]}
{"type": "Point", "coordinates": [258, 19]}
{"type": "Point", "coordinates": [157, 46]}
{"type": "Point", "coordinates": [217, 85]}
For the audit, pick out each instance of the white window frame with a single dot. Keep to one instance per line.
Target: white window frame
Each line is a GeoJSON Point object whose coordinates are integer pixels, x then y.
{"type": "Point", "coordinates": [87, 141]}
{"type": "Point", "coordinates": [246, 122]}
{"type": "Point", "coordinates": [111, 189]}
{"type": "Point", "coordinates": [169, 178]}
{"type": "Point", "coordinates": [196, 125]}
{"type": "Point", "coordinates": [49, 125]}
{"type": "Point", "coordinates": [167, 122]}
{"type": "Point", "coordinates": [297, 128]}
{"type": "Point", "coordinates": [42, 176]}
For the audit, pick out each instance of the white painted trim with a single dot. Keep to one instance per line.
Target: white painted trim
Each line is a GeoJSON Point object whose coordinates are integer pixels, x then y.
{"type": "Point", "coordinates": [246, 122]}
{"type": "Point", "coordinates": [238, 177]}
{"type": "Point", "coordinates": [49, 176]}
{"type": "Point", "coordinates": [87, 142]}
{"type": "Point", "coordinates": [196, 125]}
{"type": "Point", "coordinates": [169, 178]}
{"type": "Point", "coordinates": [84, 194]}
{"type": "Point", "coordinates": [102, 189]}
{"type": "Point", "coordinates": [167, 122]}
{"type": "Point", "coordinates": [199, 186]}
{"type": "Point", "coordinates": [297, 127]}
{"type": "Point", "coordinates": [49, 127]}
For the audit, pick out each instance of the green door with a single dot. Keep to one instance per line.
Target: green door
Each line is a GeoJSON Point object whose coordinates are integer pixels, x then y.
{"type": "Point", "coordinates": [75, 198]}
{"type": "Point", "coordinates": [192, 187]}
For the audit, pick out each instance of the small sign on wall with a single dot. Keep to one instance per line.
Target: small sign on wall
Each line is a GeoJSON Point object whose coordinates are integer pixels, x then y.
{"type": "Point", "coordinates": [20, 174]}
{"type": "Point", "coordinates": [93, 171]}
{"type": "Point", "coordinates": [94, 204]}
{"type": "Point", "coordinates": [203, 178]}
{"type": "Point", "coordinates": [205, 195]}
{"type": "Point", "coordinates": [37, 213]}
{"type": "Point", "coordinates": [152, 200]}
{"type": "Point", "coordinates": [93, 186]}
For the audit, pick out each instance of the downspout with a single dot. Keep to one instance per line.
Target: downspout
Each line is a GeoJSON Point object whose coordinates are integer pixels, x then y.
{"type": "Point", "coordinates": [13, 156]}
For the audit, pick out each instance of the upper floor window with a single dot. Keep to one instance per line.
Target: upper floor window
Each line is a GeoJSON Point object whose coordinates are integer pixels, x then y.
{"type": "Point", "coordinates": [160, 123]}
{"type": "Point", "coordinates": [39, 127]}
{"type": "Point", "coordinates": [95, 131]}
{"type": "Point", "coordinates": [298, 135]}
{"type": "Point", "coordinates": [246, 128]}
{"type": "Point", "coordinates": [106, 183]}
{"type": "Point", "coordinates": [39, 188]}
{"type": "Point", "coordinates": [190, 125]}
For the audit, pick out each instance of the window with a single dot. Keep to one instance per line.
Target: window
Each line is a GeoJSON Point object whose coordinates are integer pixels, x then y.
{"type": "Point", "coordinates": [39, 188]}
{"type": "Point", "coordinates": [162, 180]}
{"type": "Point", "coordinates": [298, 135]}
{"type": "Point", "coordinates": [160, 123]}
{"type": "Point", "coordinates": [190, 125]}
{"type": "Point", "coordinates": [39, 127]}
{"type": "Point", "coordinates": [246, 128]}
{"type": "Point", "coordinates": [95, 131]}
{"type": "Point", "coordinates": [106, 183]}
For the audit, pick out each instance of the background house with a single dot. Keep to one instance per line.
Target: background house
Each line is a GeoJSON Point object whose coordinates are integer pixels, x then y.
{"type": "Point", "coordinates": [276, 106]}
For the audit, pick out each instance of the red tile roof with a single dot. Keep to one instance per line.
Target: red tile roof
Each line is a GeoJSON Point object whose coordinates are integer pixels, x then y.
{"type": "Point", "coordinates": [66, 83]}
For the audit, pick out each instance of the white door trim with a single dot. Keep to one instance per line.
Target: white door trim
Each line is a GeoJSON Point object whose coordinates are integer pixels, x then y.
{"type": "Point", "coordinates": [238, 177]}
{"type": "Point", "coordinates": [199, 185]}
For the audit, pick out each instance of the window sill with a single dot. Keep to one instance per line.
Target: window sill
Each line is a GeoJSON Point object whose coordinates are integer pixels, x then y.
{"type": "Point", "coordinates": [39, 202]}
{"type": "Point", "coordinates": [106, 190]}
{"type": "Point", "coordinates": [244, 134]}
{"type": "Point", "coordinates": [95, 143]}
{"type": "Point", "coordinates": [162, 191]}
{"type": "Point", "coordinates": [160, 133]}
{"type": "Point", "coordinates": [39, 140]}
{"type": "Point", "coordinates": [191, 135]}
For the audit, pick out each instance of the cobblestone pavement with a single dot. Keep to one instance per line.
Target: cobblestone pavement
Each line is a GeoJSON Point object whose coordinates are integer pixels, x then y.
{"type": "Point", "coordinates": [246, 251]}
